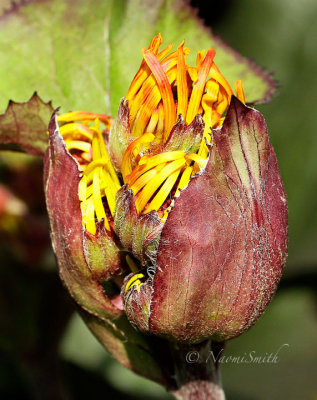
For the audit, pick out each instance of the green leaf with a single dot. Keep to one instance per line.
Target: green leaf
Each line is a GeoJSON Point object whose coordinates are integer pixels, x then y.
{"type": "Point", "coordinates": [24, 126]}
{"type": "Point", "coordinates": [83, 56]}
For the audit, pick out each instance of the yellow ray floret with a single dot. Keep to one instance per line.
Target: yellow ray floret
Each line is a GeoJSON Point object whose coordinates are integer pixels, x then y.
{"type": "Point", "coordinates": [155, 176]}
{"type": "Point", "coordinates": [153, 90]}
{"type": "Point", "coordinates": [85, 117]}
{"type": "Point", "coordinates": [134, 281]}
{"type": "Point", "coordinates": [84, 138]}
{"type": "Point", "coordinates": [164, 88]}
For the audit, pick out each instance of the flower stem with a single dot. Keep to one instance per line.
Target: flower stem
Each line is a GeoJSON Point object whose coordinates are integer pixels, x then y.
{"type": "Point", "coordinates": [196, 371]}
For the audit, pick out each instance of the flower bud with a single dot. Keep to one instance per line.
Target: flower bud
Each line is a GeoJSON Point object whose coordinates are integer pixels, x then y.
{"type": "Point", "coordinates": [77, 176]}
{"type": "Point", "coordinates": [202, 187]}
{"type": "Point", "coordinates": [80, 188]}
{"type": "Point", "coordinates": [189, 198]}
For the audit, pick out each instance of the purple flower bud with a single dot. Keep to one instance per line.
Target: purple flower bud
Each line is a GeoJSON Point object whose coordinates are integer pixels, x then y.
{"type": "Point", "coordinates": [223, 245]}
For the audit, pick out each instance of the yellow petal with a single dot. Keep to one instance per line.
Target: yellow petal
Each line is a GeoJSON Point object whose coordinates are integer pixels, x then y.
{"type": "Point", "coordinates": [75, 130]}
{"type": "Point", "coordinates": [199, 160]}
{"type": "Point", "coordinates": [163, 193]}
{"type": "Point", "coordinates": [216, 74]}
{"type": "Point", "coordinates": [199, 86]}
{"type": "Point", "coordinates": [143, 180]}
{"type": "Point", "coordinates": [182, 88]}
{"type": "Point", "coordinates": [84, 115]}
{"type": "Point", "coordinates": [149, 189]}
{"type": "Point", "coordinates": [144, 71]}
{"type": "Point", "coordinates": [147, 163]}
{"type": "Point", "coordinates": [239, 90]}
{"type": "Point", "coordinates": [90, 216]}
{"type": "Point", "coordinates": [126, 167]}
{"type": "Point", "coordinates": [77, 145]}
{"type": "Point", "coordinates": [165, 90]}
{"type": "Point", "coordinates": [183, 182]}
{"type": "Point", "coordinates": [99, 208]}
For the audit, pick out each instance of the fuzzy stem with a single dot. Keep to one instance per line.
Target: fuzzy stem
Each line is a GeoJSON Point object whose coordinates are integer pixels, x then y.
{"type": "Point", "coordinates": [196, 372]}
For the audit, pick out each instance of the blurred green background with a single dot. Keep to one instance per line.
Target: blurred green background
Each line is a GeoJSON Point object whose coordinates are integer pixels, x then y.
{"type": "Point", "coordinates": [46, 350]}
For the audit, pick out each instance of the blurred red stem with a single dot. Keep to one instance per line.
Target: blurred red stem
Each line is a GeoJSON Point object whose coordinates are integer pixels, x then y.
{"type": "Point", "coordinates": [196, 372]}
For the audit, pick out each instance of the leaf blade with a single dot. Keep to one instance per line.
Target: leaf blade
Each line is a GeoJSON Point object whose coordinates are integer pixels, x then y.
{"type": "Point", "coordinates": [25, 125]}
{"type": "Point", "coordinates": [84, 57]}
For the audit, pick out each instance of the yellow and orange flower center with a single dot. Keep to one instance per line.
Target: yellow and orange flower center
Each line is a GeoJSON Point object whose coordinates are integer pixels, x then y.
{"type": "Point", "coordinates": [164, 88]}
{"type": "Point", "coordinates": [83, 134]}
{"type": "Point", "coordinates": [164, 91]}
